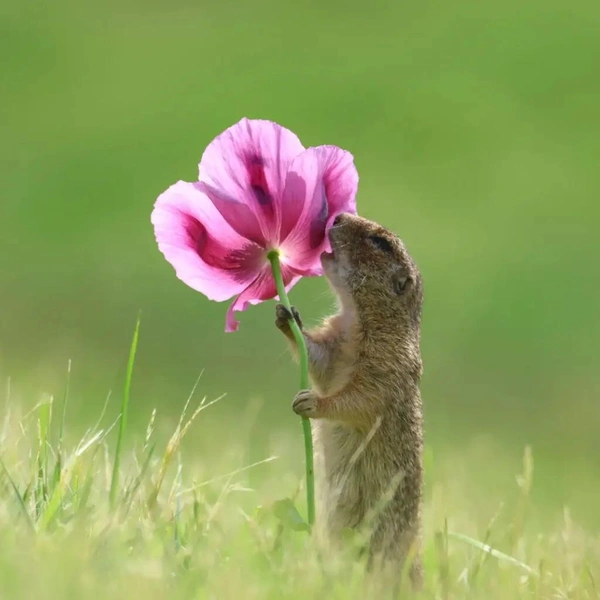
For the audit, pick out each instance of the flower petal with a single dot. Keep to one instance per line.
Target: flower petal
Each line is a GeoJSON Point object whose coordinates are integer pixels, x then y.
{"type": "Point", "coordinates": [247, 164]}
{"type": "Point", "coordinates": [261, 289]}
{"type": "Point", "coordinates": [206, 252]}
{"type": "Point", "coordinates": [240, 217]}
{"type": "Point", "coordinates": [322, 183]}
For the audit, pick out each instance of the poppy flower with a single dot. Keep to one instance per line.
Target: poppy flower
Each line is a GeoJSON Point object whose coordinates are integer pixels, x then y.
{"type": "Point", "coordinates": [258, 190]}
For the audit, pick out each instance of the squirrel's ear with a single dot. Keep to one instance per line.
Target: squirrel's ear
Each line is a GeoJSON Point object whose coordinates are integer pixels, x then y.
{"type": "Point", "coordinates": [400, 281]}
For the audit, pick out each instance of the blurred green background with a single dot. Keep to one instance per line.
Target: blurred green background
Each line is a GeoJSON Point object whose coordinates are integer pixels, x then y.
{"type": "Point", "coordinates": [476, 134]}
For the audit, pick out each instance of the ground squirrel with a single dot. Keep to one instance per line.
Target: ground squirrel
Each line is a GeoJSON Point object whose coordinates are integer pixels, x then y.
{"type": "Point", "coordinates": [365, 366]}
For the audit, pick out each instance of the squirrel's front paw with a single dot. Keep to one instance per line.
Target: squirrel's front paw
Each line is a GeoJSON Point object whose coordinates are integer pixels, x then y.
{"type": "Point", "coordinates": [283, 317]}
{"type": "Point", "coordinates": [305, 404]}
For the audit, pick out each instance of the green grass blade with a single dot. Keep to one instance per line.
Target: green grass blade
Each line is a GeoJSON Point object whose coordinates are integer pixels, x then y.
{"type": "Point", "coordinates": [58, 493]}
{"type": "Point", "coordinates": [20, 500]}
{"type": "Point", "coordinates": [137, 482]}
{"type": "Point", "coordinates": [492, 551]}
{"type": "Point", "coordinates": [44, 422]}
{"type": "Point", "coordinates": [592, 579]}
{"type": "Point", "coordinates": [64, 407]}
{"type": "Point", "coordinates": [177, 526]}
{"type": "Point", "coordinates": [123, 424]}
{"type": "Point", "coordinates": [53, 505]}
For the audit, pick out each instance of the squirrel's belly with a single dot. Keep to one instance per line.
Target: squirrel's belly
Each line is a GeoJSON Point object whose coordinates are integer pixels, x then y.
{"type": "Point", "coordinates": [349, 474]}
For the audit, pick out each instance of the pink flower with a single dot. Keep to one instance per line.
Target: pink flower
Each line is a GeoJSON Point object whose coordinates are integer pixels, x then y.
{"type": "Point", "coordinates": [259, 190]}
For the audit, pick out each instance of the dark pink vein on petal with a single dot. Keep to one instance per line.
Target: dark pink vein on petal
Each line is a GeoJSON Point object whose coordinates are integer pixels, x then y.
{"type": "Point", "coordinates": [318, 222]}
{"type": "Point", "coordinates": [238, 215]}
{"type": "Point", "coordinates": [239, 263]}
{"type": "Point", "coordinates": [260, 186]}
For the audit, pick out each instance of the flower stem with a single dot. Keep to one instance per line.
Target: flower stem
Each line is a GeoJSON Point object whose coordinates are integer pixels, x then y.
{"type": "Point", "coordinates": [273, 257]}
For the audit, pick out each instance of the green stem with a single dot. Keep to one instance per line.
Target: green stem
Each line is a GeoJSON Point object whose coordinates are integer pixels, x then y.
{"type": "Point", "coordinates": [273, 257]}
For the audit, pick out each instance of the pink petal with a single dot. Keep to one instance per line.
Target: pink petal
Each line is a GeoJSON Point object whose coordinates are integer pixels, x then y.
{"type": "Point", "coordinates": [321, 184]}
{"type": "Point", "coordinates": [206, 252]}
{"type": "Point", "coordinates": [240, 217]}
{"type": "Point", "coordinates": [247, 165]}
{"type": "Point", "coordinates": [262, 288]}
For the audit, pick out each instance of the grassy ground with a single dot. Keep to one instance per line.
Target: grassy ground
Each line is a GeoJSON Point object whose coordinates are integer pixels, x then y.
{"type": "Point", "coordinates": [124, 514]}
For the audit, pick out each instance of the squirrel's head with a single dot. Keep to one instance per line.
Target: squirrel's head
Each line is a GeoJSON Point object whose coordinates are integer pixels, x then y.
{"type": "Point", "coordinates": [371, 266]}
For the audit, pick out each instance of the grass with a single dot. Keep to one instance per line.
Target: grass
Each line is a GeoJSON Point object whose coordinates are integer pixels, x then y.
{"type": "Point", "coordinates": [114, 484]}
{"type": "Point", "coordinates": [70, 526]}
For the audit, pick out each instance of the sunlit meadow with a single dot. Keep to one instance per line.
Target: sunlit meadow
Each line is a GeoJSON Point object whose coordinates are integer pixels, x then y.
{"type": "Point", "coordinates": [86, 518]}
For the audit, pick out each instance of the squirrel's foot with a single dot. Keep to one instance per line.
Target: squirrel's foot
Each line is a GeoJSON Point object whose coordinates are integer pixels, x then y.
{"type": "Point", "coordinates": [283, 317]}
{"type": "Point", "coordinates": [306, 404]}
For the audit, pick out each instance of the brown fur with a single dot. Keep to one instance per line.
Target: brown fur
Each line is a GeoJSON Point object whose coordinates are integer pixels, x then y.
{"type": "Point", "coordinates": [365, 366]}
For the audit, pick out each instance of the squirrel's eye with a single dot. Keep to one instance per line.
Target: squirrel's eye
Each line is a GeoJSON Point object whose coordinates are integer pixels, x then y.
{"type": "Point", "coordinates": [381, 243]}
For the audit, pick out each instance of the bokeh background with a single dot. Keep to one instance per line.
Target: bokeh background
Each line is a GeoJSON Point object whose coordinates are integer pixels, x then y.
{"type": "Point", "coordinates": [476, 131]}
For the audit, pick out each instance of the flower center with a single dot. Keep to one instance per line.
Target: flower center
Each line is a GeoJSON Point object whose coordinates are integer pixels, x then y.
{"type": "Point", "coordinates": [276, 253]}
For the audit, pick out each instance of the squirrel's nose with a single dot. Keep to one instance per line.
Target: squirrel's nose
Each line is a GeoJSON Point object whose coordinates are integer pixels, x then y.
{"type": "Point", "coordinates": [338, 220]}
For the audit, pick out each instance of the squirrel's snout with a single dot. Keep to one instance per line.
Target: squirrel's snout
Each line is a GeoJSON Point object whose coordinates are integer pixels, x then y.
{"type": "Point", "coordinates": [341, 219]}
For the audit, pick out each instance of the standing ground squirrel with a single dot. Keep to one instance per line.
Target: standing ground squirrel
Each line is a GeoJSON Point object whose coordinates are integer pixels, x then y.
{"type": "Point", "coordinates": [365, 366]}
